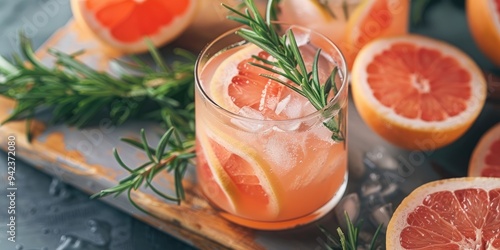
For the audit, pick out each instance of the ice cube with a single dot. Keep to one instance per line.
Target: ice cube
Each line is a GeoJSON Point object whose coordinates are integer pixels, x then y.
{"type": "Point", "coordinates": [294, 107]}
{"type": "Point", "coordinates": [348, 204]}
{"type": "Point", "coordinates": [281, 152]}
{"type": "Point", "coordinates": [382, 215]}
{"type": "Point", "coordinates": [282, 104]}
{"type": "Point", "coordinates": [302, 36]}
{"type": "Point", "coordinates": [380, 158]}
{"type": "Point", "coordinates": [356, 167]}
{"type": "Point", "coordinates": [372, 185]}
{"type": "Point", "coordinates": [389, 190]}
{"type": "Point", "coordinates": [249, 125]}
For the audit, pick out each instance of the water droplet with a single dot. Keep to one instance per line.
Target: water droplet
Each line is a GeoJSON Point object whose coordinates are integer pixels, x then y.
{"type": "Point", "coordinates": [58, 188]}
{"type": "Point", "coordinates": [55, 187]}
{"type": "Point", "coordinates": [71, 242]}
{"type": "Point", "coordinates": [45, 231]}
{"type": "Point", "coordinates": [19, 247]}
{"type": "Point", "coordinates": [44, 248]}
{"type": "Point", "coordinates": [101, 229]}
{"type": "Point", "coordinates": [32, 210]}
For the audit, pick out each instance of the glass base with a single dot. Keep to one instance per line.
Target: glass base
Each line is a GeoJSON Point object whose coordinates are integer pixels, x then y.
{"type": "Point", "coordinates": [281, 225]}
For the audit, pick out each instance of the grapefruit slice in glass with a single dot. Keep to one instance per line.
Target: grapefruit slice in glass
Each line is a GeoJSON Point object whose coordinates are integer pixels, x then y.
{"type": "Point", "coordinates": [123, 25]}
{"type": "Point", "coordinates": [237, 84]}
{"type": "Point", "coordinates": [461, 213]}
{"type": "Point", "coordinates": [242, 179]}
{"type": "Point", "coordinates": [417, 92]}
{"type": "Point", "coordinates": [485, 160]}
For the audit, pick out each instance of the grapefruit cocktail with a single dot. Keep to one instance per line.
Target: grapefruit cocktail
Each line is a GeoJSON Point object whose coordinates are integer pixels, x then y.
{"type": "Point", "coordinates": [265, 158]}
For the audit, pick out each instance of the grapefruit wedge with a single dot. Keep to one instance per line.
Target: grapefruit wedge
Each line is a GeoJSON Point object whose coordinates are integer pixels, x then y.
{"type": "Point", "coordinates": [416, 92]}
{"type": "Point", "coordinates": [123, 25]}
{"type": "Point", "coordinates": [485, 160]}
{"type": "Point", "coordinates": [461, 213]}
{"type": "Point", "coordinates": [483, 17]}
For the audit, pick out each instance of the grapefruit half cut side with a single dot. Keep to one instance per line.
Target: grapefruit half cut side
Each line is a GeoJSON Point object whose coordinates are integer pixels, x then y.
{"type": "Point", "coordinates": [416, 92]}
{"type": "Point", "coordinates": [123, 25]}
{"type": "Point", "coordinates": [485, 160]}
{"type": "Point", "coordinates": [461, 213]}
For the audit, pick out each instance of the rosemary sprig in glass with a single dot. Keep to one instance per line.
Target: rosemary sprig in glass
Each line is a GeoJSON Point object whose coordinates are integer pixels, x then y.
{"type": "Point", "coordinates": [289, 62]}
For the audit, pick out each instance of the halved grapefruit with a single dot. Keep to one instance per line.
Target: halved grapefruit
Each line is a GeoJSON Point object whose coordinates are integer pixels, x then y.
{"type": "Point", "coordinates": [485, 160]}
{"type": "Point", "coordinates": [416, 92]}
{"type": "Point", "coordinates": [123, 25]}
{"type": "Point", "coordinates": [461, 213]}
{"type": "Point", "coordinates": [374, 19]}
{"type": "Point", "coordinates": [483, 17]}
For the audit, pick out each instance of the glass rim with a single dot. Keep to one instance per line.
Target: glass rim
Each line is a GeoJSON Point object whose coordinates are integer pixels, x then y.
{"type": "Point", "coordinates": [342, 66]}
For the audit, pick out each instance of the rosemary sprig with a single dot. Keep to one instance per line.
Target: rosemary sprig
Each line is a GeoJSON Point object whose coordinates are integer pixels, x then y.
{"type": "Point", "coordinates": [78, 95]}
{"type": "Point", "coordinates": [349, 242]}
{"type": "Point", "coordinates": [172, 153]}
{"type": "Point", "coordinates": [262, 32]}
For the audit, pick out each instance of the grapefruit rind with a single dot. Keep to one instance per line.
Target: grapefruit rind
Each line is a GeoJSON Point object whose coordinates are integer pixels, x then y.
{"type": "Point", "coordinates": [260, 167]}
{"type": "Point", "coordinates": [220, 176]}
{"type": "Point", "coordinates": [477, 162]}
{"type": "Point", "coordinates": [484, 24]}
{"type": "Point", "coordinates": [399, 219]}
{"type": "Point", "coordinates": [410, 133]}
{"type": "Point", "coordinates": [166, 34]}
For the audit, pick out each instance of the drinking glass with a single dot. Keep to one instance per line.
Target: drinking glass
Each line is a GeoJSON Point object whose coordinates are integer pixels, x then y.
{"type": "Point", "coordinates": [276, 167]}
